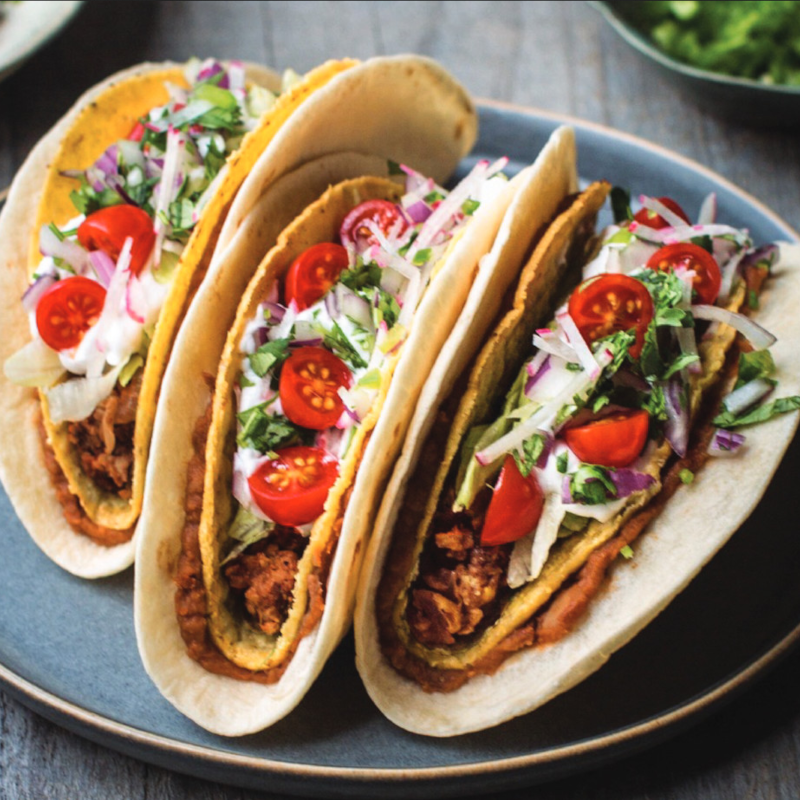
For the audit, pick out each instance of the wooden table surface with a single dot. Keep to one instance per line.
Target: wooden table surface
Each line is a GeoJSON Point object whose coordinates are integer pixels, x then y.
{"type": "Point", "coordinates": [558, 56]}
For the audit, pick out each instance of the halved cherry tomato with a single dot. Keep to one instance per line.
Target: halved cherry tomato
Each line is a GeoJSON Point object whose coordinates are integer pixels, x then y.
{"type": "Point", "coordinates": [314, 272]}
{"type": "Point", "coordinates": [706, 282]}
{"type": "Point", "coordinates": [292, 488]}
{"type": "Point", "coordinates": [67, 310]}
{"type": "Point", "coordinates": [310, 381]}
{"type": "Point", "coordinates": [610, 303]}
{"type": "Point", "coordinates": [515, 507]}
{"type": "Point", "coordinates": [108, 228]}
{"type": "Point", "coordinates": [382, 213]}
{"type": "Point", "coordinates": [645, 216]}
{"type": "Point", "coordinates": [612, 441]}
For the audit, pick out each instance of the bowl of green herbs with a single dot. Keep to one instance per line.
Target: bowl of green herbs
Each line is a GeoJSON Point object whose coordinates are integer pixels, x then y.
{"type": "Point", "coordinates": [738, 58]}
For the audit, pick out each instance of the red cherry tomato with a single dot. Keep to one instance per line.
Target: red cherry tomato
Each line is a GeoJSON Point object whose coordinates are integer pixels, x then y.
{"type": "Point", "coordinates": [382, 213]}
{"type": "Point", "coordinates": [310, 381]}
{"type": "Point", "coordinates": [613, 441]}
{"type": "Point", "coordinates": [515, 507]}
{"type": "Point", "coordinates": [108, 228]}
{"type": "Point", "coordinates": [610, 303]}
{"type": "Point", "coordinates": [67, 310]}
{"type": "Point", "coordinates": [314, 272]}
{"type": "Point", "coordinates": [708, 279]}
{"type": "Point", "coordinates": [292, 488]}
{"type": "Point", "coordinates": [652, 220]}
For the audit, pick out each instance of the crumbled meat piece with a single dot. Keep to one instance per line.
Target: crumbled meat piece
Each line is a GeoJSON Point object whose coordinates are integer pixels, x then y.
{"type": "Point", "coordinates": [456, 543]}
{"type": "Point", "coordinates": [267, 580]}
{"type": "Point", "coordinates": [478, 582]}
{"type": "Point", "coordinates": [433, 618]}
{"type": "Point", "coordinates": [104, 440]}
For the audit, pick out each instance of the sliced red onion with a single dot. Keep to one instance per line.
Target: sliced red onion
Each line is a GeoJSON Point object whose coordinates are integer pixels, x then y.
{"type": "Point", "coordinates": [354, 307]}
{"type": "Point", "coordinates": [208, 69]}
{"type": "Point", "coordinates": [72, 173]}
{"type": "Point", "coordinates": [260, 336]}
{"type": "Point", "coordinates": [767, 253]}
{"type": "Point", "coordinates": [536, 369]}
{"type": "Point", "coordinates": [748, 395]}
{"type": "Point", "coordinates": [67, 250]}
{"type": "Point", "coordinates": [103, 265]}
{"type": "Point", "coordinates": [236, 76]}
{"type": "Point", "coordinates": [34, 292]}
{"type": "Point", "coordinates": [684, 233]}
{"type": "Point", "coordinates": [575, 338]}
{"type": "Point", "coordinates": [304, 331]}
{"type": "Point", "coordinates": [276, 312]}
{"type": "Point", "coordinates": [708, 210]}
{"type": "Point", "coordinates": [549, 341]}
{"type": "Point", "coordinates": [725, 443]}
{"type": "Point", "coordinates": [729, 271]}
{"type": "Point", "coordinates": [759, 337]}
{"type": "Point", "coordinates": [331, 301]}
{"type": "Point", "coordinates": [628, 481]}
{"type": "Point", "coordinates": [566, 492]}
{"type": "Point", "coordinates": [676, 429]}
{"type": "Point", "coordinates": [107, 163]}
{"type": "Point", "coordinates": [419, 211]}
{"type": "Point", "coordinates": [135, 301]}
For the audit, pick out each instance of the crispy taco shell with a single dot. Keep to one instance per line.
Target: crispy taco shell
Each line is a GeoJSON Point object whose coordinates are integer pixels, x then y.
{"type": "Point", "coordinates": [496, 674]}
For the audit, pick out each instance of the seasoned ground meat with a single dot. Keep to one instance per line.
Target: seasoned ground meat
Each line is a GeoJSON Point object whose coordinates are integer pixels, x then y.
{"type": "Point", "coordinates": [265, 574]}
{"type": "Point", "coordinates": [104, 440]}
{"type": "Point", "coordinates": [451, 599]}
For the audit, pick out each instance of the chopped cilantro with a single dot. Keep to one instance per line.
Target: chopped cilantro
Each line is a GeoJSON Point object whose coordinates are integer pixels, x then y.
{"type": "Point", "coordinates": [626, 552]}
{"type": "Point", "coordinates": [532, 449]}
{"type": "Point", "coordinates": [591, 485]}
{"type": "Point", "coordinates": [561, 463]}
{"type": "Point", "coordinates": [422, 257]}
{"type": "Point", "coordinates": [433, 197]}
{"type": "Point", "coordinates": [337, 341]}
{"type": "Point", "coordinates": [469, 207]}
{"type": "Point", "coordinates": [753, 365]}
{"type": "Point", "coordinates": [686, 476]}
{"type": "Point", "coordinates": [361, 275]}
{"type": "Point", "coordinates": [266, 432]}
{"type": "Point", "coordinates": [762, 413]}
{"type": "Point", "coordinates": [268, 356]}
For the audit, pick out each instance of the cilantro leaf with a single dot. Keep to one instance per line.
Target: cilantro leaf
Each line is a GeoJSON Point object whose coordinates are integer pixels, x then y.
{"type": "Point", "coordinates": [761, 413]}
{"type": "Point", "coordinates": [532, 449]}
{"type": "Point", "coordinates": [267, 432]}
{"type": "Point", "coordinates": [337, 341]}
{"type": "Point", "coordinates": [268, 356]}
{"type": "Point", "coordinates": [756, 364]}
{"type": "Point", "coordinates": [361, 275]}
{"type": "Point", "coordinates": [591, 485]}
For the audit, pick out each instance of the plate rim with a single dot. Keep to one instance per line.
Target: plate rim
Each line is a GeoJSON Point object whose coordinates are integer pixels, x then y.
{"type": "Point", "coordinates": [124, 737]}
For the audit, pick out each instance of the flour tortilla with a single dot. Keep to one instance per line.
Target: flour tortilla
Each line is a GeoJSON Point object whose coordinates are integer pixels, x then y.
{"type": "Point", "coordinates": [40, 193]}
{"type": "Point", "coordinates": [695, 524]}
{"type": "Point", "coordinates": [227, 706]}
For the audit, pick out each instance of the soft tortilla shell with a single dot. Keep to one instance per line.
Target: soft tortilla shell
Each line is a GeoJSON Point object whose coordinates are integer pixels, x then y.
{"type": "Point", "coordinates": [224, 705]}
{"type": "Point", "coordinates": [406, 108]}
{"type": "Point", "coordinates": [106, 119]}
{"type": "Point", "coordinates": [695, 524]}
{"type": "Point", "coordinates": [30, 489]}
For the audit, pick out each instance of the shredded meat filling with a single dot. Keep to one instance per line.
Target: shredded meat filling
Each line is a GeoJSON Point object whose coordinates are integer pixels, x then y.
{"type": "Point", "coordinates": [104, 440]}
{"type": "Point", "coordinates": [457, 595]}
{"type": "Point", "coordinates": [265, 575]}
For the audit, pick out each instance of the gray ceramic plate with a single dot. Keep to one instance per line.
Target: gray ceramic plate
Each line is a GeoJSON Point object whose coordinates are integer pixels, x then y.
{"type": "Point", "coordinates": [73, 658]}
{"type": "Point", "coordinates": [26, 26]}
{"type": "Point", "coordinates": [741, 99]}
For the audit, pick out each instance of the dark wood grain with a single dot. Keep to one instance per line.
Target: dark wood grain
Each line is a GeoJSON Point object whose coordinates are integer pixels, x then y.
{"type": "Point", "coordinates": [553, 55]}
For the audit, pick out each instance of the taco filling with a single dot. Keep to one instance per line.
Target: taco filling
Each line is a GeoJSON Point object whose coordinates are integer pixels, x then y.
{"type": "Point", "coordinates": [97, 293]}
{"type": "Point", "coordinates": [309, 363]}
{"type": "Point", "coordinates": [621, 400]}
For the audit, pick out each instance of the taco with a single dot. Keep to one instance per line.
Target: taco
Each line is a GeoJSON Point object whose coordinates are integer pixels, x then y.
{"type": "Point", "coordinates": [487, 591]}
{"type": "Point", "coordinates": [265, 529]}
{"type": "Point", "coordinates": [99, 367]}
